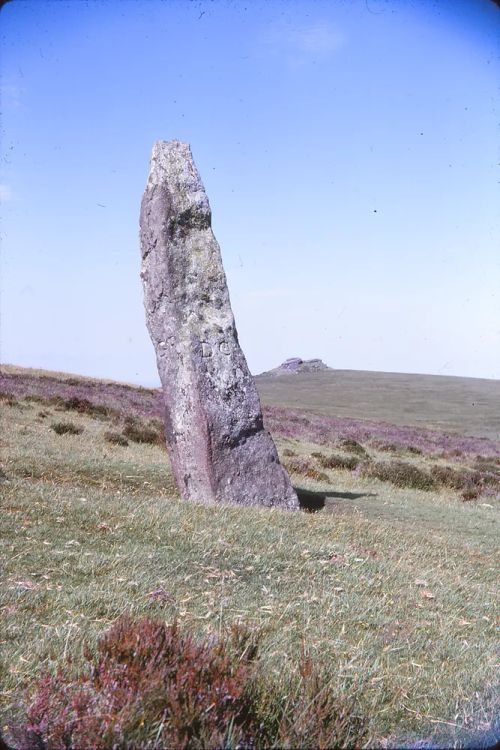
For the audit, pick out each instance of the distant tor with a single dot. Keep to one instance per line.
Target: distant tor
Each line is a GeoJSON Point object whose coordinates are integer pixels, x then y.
{"type": "Point", "coordinates": [296, 365]}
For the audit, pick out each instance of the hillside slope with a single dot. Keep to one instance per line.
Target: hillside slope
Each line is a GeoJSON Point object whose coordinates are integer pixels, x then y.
{"type": "Point", "coordinates": [389, 587]}
{"type": "Point", "coordinates": [470, 406]}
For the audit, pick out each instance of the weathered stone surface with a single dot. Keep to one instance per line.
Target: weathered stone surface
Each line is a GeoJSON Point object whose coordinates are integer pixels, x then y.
{"type": "Point", "coordinates": [218, 447]}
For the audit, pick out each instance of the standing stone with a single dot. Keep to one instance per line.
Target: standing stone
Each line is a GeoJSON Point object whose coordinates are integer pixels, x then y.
{"type": "Point", "coordinates": [219, 449]}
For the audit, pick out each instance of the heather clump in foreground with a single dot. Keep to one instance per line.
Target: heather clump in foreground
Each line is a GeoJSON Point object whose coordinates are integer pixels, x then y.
{"type": "Point", "coordinates": [151, 685]}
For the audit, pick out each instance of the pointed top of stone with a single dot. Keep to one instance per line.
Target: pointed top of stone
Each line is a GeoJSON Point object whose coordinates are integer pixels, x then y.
{"type": "Point", "coordinates": [172, 164]}
{"type": "Point", "coordinates": [170, 154]}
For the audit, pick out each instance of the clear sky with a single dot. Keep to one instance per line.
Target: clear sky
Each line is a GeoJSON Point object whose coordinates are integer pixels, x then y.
{"type": "Point", "coordinates": [350, 153]}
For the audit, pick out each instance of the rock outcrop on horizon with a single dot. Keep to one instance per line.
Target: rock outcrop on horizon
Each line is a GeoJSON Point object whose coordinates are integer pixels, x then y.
{"type": "Point", "coordinates": [296, 365]}
{"type": "Point", "coordinates": [219, 449]}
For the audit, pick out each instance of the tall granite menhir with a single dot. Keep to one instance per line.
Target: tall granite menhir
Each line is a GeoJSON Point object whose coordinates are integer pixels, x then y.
{"type": "Point", "coordinates": [219, 449]}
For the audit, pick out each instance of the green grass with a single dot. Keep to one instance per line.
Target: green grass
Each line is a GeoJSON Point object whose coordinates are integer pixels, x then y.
{"type": "Point", "coordinates": [391, 589]}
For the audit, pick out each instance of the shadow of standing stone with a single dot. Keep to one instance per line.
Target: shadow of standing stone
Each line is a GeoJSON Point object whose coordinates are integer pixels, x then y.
{"type": "Point", "coordinates": [219, 449]}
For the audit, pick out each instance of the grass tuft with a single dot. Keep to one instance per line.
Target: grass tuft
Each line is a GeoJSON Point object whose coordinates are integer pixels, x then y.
{"type": "Point", "coordinates": [116, 438]}
{"type": "Point", "coordinates": [66, 428]}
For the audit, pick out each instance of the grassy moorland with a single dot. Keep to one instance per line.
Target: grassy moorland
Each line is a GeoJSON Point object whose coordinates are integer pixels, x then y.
{"type": "Point", "coordinates": [467, 406]}
{"type": "Point", "coordinates": [390, 587]}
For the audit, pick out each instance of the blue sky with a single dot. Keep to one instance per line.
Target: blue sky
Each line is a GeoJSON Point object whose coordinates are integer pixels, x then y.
{"type": "Point", "coordinates": [350, 154]}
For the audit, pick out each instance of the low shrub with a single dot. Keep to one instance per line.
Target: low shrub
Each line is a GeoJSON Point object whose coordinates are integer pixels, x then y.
{"type": "Point", "coordinates": [386, 447]}
{"type": "Point", "coordinates": [66, 428]}
{"type": "Point", "coordinates": [471, 493]}
{"type": "Point", "coordinates": [491, 479]}
{"type": "Point", "coordinates": [33, 397]}
{"type": "Point", "coordinates": [289, 452]}
{"type": "Point", "coordinates": [454, 479]}
{"type": "Point", "coordinates": [158, 425]}
{"type": "Point", "coordinates": [116, 438]}
{"type": "Point", "coordinates": [7, 398]}
{"type": "Point", "coordinates": [84, 406]}
{"type": "Point", "coordinates": [397, 448]}
{"type": "Point", "coordinates": [73, 403]}
{"type": "Point", "coordinates": [399, 473]}
{"type": "Point", "coordinates": [141, 432]}
{"type": "Point", "coordinates": [334, 461]}
{"type": "Point", "coordinates": [305, 467]}
{"type": "Point", "coordinates": [352, 446]}
{"type": "Point", "coordinates": [484, 463]}
{"type": "Point", "coordinates": [472, 483]}
{"type": "Point", "coordinates": [152, 686]}
{"type": "Point", "coordinates": [446, 476]}
{"type": "Point", "coordinates": [413, 450]}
